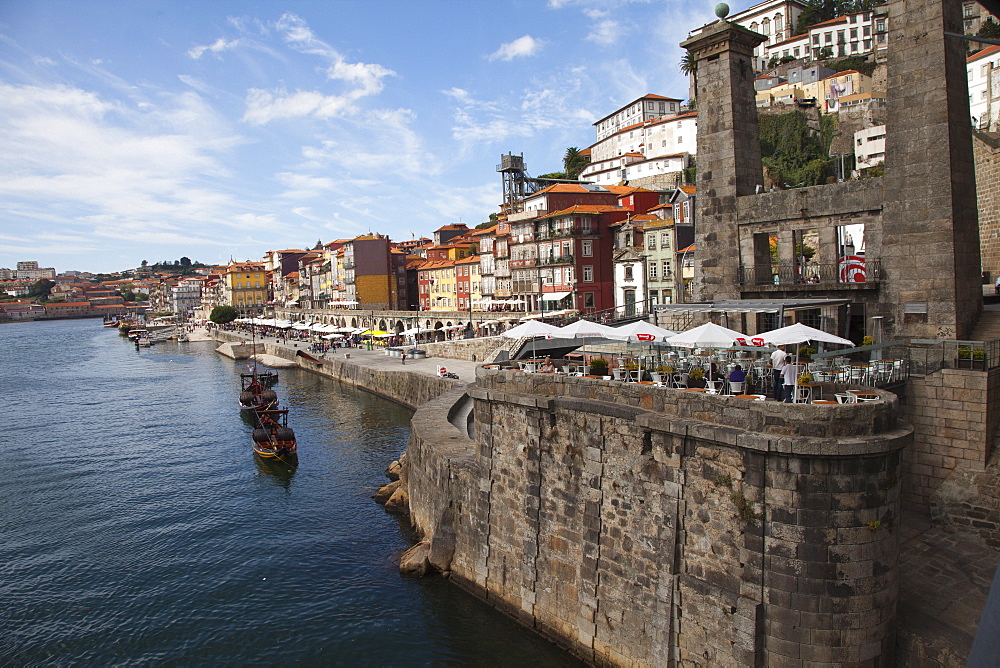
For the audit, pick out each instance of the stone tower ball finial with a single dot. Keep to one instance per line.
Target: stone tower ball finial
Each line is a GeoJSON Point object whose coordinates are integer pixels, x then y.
{"type": "Point", "coordinates": [722, 11]}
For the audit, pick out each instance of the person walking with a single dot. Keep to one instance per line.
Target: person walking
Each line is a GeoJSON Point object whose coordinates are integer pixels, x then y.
{"type": "Point", "coordinates": [778, 361]}
{"type": "Point", "coordinates": [403, 356]}
{"type": "Point", "coordinates": [790, 373]}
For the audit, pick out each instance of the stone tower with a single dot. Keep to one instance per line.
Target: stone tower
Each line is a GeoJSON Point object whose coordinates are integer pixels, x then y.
{"type": "Point", "coordinates": [930, 226]}
{"type": "Point", "coordinates": [728, 150]}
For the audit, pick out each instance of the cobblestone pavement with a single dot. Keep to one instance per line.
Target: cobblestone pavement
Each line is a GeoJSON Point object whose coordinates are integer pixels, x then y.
{"type": "Point", "coordinates": [944, 579]}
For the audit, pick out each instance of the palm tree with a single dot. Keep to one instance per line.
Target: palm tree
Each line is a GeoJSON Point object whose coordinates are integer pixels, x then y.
{"type": "Point", "coordinates": [689, 66]}
{"type": "Point", "coordinates": [574, 162]}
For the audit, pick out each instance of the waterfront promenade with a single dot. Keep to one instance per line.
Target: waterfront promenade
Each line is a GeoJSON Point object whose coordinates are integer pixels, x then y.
{"type": "Point", "coordinates": [944, 576]}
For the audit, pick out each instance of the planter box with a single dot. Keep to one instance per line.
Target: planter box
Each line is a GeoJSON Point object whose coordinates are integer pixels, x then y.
{"type": "Point", "coordinates": [966, 363]}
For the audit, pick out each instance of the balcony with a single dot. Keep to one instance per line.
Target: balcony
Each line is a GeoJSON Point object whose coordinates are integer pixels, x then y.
{"type": "Point", "coordinates": [348, 265]}
{"type": "Point", "coordinates": [349, 281]}
{"type": "Point", "coordinates": [522, 263]}
{"type": "Point", "coordinates": [830, 275]}
{"type": "Point", "coordinates": [525, 287]}
{"type": "Point", "coordinates": [558, 259]}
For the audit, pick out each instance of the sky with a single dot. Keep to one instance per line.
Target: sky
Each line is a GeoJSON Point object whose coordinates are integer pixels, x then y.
{"type": "Point", "coordinates": [215, 130]}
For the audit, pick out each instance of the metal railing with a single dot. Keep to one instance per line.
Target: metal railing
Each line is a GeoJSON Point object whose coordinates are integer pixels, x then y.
{"type": "Point", "coordinates": [560, 259]}
{"type": "Point", "coordinates": [827, 274]}
{"type": "Point", "coordinates": [934, 355]}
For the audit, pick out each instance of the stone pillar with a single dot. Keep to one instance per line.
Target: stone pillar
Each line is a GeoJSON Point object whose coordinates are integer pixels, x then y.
{"type": "Point", "coordinates": [930, 243]}
{"type": "Point", "coordinates": [728, 151]}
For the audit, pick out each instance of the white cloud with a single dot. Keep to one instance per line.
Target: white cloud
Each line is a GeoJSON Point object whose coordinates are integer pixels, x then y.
{"type": "Point", "coordinates": [363, 79]}
{"type": "Point", "coordinates": [522, 47]}
{"type": "Point", "coordinates": [216, 47]}
{"type": "Point", "coordinates": [605, 30]}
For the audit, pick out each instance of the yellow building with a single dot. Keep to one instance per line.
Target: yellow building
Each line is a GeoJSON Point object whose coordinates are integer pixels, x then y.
{"type": "Point", "coordinates": [245, 284]}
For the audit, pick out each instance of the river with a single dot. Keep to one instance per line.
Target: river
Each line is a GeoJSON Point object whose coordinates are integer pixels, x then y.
{"type": "Point", "coordinates": [139, 528]}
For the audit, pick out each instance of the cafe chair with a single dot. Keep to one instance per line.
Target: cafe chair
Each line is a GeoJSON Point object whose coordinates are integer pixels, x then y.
{"type": "Point", "coordinates": [736, 387]}
{"type": "Point", "coordinates": [846, 398]}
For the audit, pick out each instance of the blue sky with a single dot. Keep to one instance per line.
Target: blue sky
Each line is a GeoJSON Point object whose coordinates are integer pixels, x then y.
{"type": "Point", "coordinates": [135, 130]}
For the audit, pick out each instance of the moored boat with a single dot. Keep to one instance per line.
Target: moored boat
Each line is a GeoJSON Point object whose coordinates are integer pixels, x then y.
{"type": "Point", "coordinates": [255, 397]}
{"type": "Point", "coordinates": [273, 438]}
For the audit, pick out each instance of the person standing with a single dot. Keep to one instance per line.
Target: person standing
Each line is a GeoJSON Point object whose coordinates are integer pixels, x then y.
{"type": "Point", "coordinates": [790, 373]}
{"type": "Point", "coordinates": [778, 361]}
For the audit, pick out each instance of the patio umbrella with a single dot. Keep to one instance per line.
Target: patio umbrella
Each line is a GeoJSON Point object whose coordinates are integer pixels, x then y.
{"type": "Point", "coordinates": [708, 335]}
{"type": "Point", "coordinates": [584, 329]}
{"type": "Point", "coordinates": [531, 328]}
{"type": "Point", "coordinates": [642, 331]}
{"type": "Point", "coordinates": [799, 333]}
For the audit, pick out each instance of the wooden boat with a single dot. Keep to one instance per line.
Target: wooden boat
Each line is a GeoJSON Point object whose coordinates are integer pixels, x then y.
{"type": "Point", "coordinates": [273, 438]}
{"type": "Point", "coordinates": [255, 397]}
{"type": "Point", "coordinates": [265, 378]}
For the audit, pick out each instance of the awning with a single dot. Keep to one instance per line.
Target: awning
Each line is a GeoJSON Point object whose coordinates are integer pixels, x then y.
{"type": "Point", "coordinates": [554, 296]}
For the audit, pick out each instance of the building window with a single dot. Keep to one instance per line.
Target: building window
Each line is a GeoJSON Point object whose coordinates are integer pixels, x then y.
{"type": "Point", "coordinates": [588, 273]}
{"type": "Point", "coordinates": [588, 300]}
{"type": "Point", "coordinates": [628, 273]}
{"type": "Point", "coordinates": [666, 268]}
{"type": "Point", "coordinates": [585, 226]}
{"type": "Point", "coordinates": [588, 249]}
{"type": "Point", "coordinates": [651, 241]}
{"type": "Point", "coordinates": [652, 271]}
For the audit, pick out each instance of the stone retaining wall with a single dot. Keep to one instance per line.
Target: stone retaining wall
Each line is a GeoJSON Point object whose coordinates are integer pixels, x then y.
{"type": "Point", "coordinates": [471, 350]}
{"type": "Point", "coordinates": [646, 526]}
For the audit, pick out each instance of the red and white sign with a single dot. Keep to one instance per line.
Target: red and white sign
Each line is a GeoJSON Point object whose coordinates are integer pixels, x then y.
{"type": "Point", "coordinates": [645, 337]}
{"type": "Point", "coordinates": [852, 269]}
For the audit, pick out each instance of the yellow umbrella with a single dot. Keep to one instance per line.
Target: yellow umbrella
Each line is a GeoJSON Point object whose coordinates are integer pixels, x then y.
{"type": "Point", "coordinates": [373, 332]}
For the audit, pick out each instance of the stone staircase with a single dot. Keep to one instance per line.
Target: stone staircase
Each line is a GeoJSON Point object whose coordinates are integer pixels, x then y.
{"type": "Point", "coordinates": [988, 326]}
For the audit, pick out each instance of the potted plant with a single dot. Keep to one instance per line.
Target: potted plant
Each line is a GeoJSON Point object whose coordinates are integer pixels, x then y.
{"type": "Point", "coordinates": [598, 367]}
{"type": "Point", "coordinates": [806, 353]}
{"type": "Point", "coordinates": [696, 378]}
{"type": "Point", "coordinates": [971, 358]}
{"type": "Point", "coordinates": [631, 365]}
{"type": "Point", "coordinates": [805, 377]}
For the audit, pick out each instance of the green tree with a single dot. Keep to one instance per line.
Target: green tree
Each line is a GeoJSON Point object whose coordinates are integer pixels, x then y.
{"type": "Point", "coordinates": [41, 289]}
{"type": "Point", "coordinates": [574, 162]}
{"type": "Point", "coordinates": [185, 261]}
{"type": "Point", "coordinates": [144, 263]}
{"type": "Point", "coordinates": [796, 152]}
{"type": "Point", "coordinates": [220, 315]}
{"type": "Point", "coordinates": [319, 245]}
{"type": "Point", "coordinates": [989, 30]}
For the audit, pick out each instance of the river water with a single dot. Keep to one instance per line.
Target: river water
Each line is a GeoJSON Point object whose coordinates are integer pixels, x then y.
{"type": "Point", "coordinates": [138, 528]}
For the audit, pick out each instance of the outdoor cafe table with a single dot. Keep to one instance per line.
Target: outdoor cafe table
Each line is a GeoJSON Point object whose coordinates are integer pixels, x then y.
{"type": "Point", "coordinates": [865, 396]}
{"type": "Point", "coordinates": [695, 389]}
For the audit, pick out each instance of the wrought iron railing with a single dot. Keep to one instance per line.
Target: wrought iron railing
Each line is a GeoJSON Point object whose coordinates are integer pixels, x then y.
{"type": "Point", "coordinates": [935, 354]}
{"type": "Point", "coordinates": [559, 259]}
{"type": "Point", "coordinates": [827, 274]}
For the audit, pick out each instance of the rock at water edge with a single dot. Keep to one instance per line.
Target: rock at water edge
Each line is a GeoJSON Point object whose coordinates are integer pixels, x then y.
{"type": "Point", "coordinates": [399, 502]}
{"type": "Point", "coordinates": [414, 561]}
{"type": "Point", "coordinates": [385, 493]}
{"type": "Point", "coordinates": [392, 473]}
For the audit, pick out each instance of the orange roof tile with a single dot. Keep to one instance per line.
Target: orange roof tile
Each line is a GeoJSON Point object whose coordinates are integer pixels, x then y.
{"type": "Point", "coordinates": [988, 51]}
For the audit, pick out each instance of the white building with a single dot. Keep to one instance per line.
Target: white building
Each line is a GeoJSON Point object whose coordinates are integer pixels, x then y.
{"type": "Point", "coordinates": [657, 144]}
{"type": "Point", "coordinates": [31, 271]}
{"type": "Point", "coordinates": [775, 19]}
{"type": "Point", "coordinates": [185, 297]}
{"type": "Point", "coordinates": [849, 35]}
{"type": "Point", "coordinates": [869, 146]}
{"type": "Point", "coordinates": [983, 69]}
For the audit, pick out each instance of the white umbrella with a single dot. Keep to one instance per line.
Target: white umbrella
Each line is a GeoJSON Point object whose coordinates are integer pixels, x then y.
{"type": "Point", "coordinates": [708, 335]}
{"type": "Point", "coordinates": [531, 328]}
{"type": "Point", "coordinates": [584, 329]}
{"type": "Point", "coordinates": [799, 333]}
{"type": "Point", "coordinates": [641, 330]}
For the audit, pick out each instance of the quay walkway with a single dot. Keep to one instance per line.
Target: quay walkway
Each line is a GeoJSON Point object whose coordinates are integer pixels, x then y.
{"type": "Point", "coordinates": [944, 575]}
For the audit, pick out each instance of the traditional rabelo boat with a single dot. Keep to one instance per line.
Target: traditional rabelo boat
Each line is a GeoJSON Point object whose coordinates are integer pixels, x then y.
{"type": "Point", "coordinates": [265, 378]}
{"type": "Point", "coordinates": [273, 438]}
{"type": "Point", "coordinates": [255, 397]}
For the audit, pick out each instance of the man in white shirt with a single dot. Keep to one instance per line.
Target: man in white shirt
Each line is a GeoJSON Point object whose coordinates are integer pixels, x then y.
{"type": "Point", "coordinates": [778, 361]}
